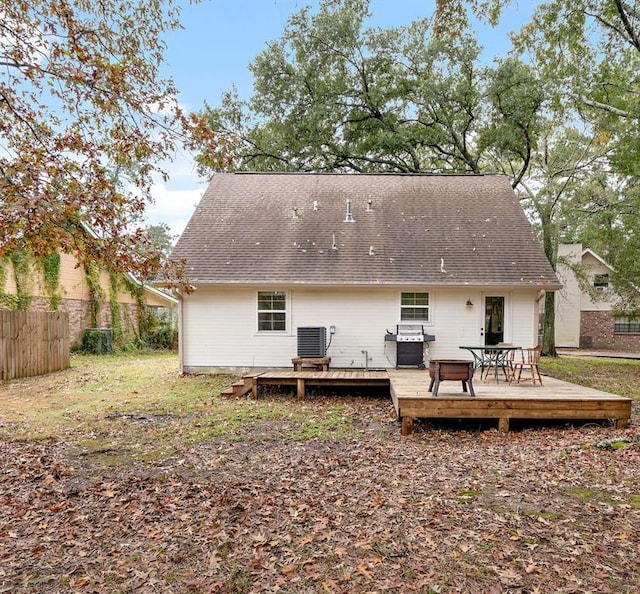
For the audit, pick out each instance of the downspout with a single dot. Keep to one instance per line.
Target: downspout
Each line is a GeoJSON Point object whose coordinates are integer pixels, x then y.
{"type": "Point", "coordinates": [180, 335]}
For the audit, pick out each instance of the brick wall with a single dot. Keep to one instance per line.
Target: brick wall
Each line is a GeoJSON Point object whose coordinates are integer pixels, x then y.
{"type": "Point", "coordinates": [596, 332]}
{"type": "Point", "coordinates": [80, 316]}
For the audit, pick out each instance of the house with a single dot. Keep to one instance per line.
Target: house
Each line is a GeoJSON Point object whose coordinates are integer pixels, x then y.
{"type": "Point", "coordinates": [585, 314]}
{"type": "Point", "coordinates": [356, 255]}
{"type": "Point", "coordinates": [89, 303]}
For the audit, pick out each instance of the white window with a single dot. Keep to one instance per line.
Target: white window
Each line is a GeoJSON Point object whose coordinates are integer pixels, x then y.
{"type": "Point", "coordinates": [272, 311]}
{"type": "Point", "coordinates": [414, 307]}
{"type": "Point", "coordinates": [601, 282]}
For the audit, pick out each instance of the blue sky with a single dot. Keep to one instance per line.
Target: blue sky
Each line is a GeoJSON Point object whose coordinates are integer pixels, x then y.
{"type": "Point", "coordinates": [219, 40]}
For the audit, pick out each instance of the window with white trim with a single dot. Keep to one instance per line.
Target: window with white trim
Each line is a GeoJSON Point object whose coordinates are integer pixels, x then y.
{"type": "Point", "coordinates": [272, 311]}
{"type": "Point", "coordinates": [414, 307]}
{"type": "Point", "coordinates": [601, 282]}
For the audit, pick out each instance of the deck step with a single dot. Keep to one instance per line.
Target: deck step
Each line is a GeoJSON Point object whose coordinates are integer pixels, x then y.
{"type": "Point", "coordinates": [238, 389]}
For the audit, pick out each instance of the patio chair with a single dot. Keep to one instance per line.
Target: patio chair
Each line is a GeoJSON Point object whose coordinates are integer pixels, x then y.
{"type": "Point", "coordinates": [529, 362]}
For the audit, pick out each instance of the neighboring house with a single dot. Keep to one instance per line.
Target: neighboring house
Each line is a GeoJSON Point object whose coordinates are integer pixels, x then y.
{"type": "Point", "coordinates": [356, 254]}
{"type": "Point", "coordinates": [73, 295]}
{"type": "Point", "coordinates": [582, 321]}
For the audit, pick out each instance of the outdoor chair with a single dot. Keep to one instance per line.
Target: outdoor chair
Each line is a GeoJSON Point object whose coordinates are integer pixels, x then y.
{"type": "Point", "coordinates": [529, 363]}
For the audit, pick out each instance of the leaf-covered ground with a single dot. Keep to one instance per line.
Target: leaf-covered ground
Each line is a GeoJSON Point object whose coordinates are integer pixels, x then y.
{"type": "Point", "coordinates": [357, 508]}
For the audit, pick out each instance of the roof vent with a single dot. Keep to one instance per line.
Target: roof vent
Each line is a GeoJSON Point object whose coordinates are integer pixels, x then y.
{"type": "Point", "coordinates": [315, 205]}
{"type": "Point", "coordinates": [369, 205]}
{"type": "Point", "coordinates": [334, 245]}
{"type": "Point", "coordinates": [371, 252]}
{"type": "Point", "coordinates": [349, 217]}
{"type": "Point", "coordinates": [295, 213]}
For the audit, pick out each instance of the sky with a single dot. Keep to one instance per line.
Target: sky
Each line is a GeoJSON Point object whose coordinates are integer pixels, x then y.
{"type": "Point", "coordinates": [219, 40]}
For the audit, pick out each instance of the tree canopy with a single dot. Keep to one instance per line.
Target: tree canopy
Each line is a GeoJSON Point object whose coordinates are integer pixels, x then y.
{"type": "Point", "coordinates": [588, 53]}
{"type": "Point", "coordinates": [334, 95]}
{"type": "Point", "coordinates": [85, 118]}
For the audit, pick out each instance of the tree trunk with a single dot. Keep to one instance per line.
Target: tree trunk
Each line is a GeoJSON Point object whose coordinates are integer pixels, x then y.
{"type": "Point", "coordinates": [549, 328]}
{"type": "Point", "coordinates": [549, 244]}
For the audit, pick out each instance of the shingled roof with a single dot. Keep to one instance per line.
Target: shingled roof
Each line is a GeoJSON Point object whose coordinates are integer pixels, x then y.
{"type": "Point", "coordinates": [294, 228]}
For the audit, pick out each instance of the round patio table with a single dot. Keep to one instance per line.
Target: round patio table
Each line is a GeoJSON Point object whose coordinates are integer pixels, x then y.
{"type": "Point", "coordinates": [491, 355]}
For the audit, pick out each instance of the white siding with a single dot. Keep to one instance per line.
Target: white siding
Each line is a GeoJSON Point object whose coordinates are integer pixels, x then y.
{"type": "Point", "coordinates": [523, 321]}
{"type": "Point", "coordinates": [571, 300]}
{"type": "Point", "coordinates": [220, 325]}
{"type": "Point", "coordinates": [567, 301]}
{"type": "Point", "coordinates": [607, 299]}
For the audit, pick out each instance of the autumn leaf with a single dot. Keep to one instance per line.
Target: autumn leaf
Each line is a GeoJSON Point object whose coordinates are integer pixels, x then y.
{"type": "Point", "coordinates": [87, 121]}
{"type": "Point", "coordinates": [363, 568]}
{"type": "Point", "coordinates": [185, 515]}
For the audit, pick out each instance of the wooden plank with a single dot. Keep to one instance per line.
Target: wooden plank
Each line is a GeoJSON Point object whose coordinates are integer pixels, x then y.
{"type": "Point", "coordinates": [467, 408]}
{"type": "Point", "coordinates": [411, 399]}
{"type": "Point", "coordinates": [33, 343]}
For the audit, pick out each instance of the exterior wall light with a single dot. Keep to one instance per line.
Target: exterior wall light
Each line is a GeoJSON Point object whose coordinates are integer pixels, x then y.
{"type": "Point", "coordinates": [469, 303]}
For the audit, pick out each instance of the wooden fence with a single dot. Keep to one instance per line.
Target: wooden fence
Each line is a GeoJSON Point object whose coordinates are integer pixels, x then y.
{"type": "Point", "coordinates": [33, 343]}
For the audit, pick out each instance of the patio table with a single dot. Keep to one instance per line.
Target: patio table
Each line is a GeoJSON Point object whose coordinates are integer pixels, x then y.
{"type": "Point", "coordinates": [491, 355]}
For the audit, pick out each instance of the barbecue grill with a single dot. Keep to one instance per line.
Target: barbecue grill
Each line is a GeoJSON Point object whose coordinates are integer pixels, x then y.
{"type": "Point", "coordinates": [409, 339]}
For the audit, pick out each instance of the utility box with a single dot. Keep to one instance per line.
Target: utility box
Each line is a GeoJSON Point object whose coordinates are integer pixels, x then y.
{"type": "Point", "coordinates": [312, 341]}
{"type": "Point", "coordinates": [98, 341]}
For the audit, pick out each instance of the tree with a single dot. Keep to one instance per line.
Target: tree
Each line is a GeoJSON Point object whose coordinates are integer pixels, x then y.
{"type": "Point", "coordinates": [334, 96]}
{"type": "Point", "coordinates": [606, 218]}
{"type": "Point", "coordinates": [588, 52]}
{"type": "Point", "coordinates": [565, 162]}
{"type": "Point", "coordinates": [81, 99]}
{"type": "Point", "coordinates": [161, 238]}
{"type": "Point", "coordinates": [590, 49]}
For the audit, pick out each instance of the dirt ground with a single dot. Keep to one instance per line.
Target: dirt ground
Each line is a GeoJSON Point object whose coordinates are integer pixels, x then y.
{"type": "Point", "coordinates": [543, 510]}
{"type": "Point", "coordinates": [454, 508]}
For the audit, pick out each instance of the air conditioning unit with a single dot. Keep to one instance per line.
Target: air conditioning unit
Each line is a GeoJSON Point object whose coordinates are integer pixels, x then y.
{"type": "Point", "coordinates": [312, 341]}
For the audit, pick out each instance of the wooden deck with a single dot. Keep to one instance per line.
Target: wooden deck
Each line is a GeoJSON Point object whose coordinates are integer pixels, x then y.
{"type": "Point", "coordinates": [409, 390]}
{"type": "Point", "coordinates": [304, 379]}
{"type": "Point", "coordinates": [553, 400]}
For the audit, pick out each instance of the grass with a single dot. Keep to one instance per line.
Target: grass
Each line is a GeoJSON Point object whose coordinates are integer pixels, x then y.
{"type": "Point", "coordinates": [617, 376]}
{"type": "Point", "coordinates": [137, 405]}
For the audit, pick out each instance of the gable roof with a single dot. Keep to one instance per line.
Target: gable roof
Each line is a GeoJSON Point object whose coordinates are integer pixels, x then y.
{"type": "Point", "coordinates": [446, 230]}
{"type": "Point", "coordinates": [590, 252]}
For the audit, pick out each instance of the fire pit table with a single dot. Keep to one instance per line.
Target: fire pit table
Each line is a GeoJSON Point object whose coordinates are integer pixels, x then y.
{"type": "Point", "coordinates": [451, 369]}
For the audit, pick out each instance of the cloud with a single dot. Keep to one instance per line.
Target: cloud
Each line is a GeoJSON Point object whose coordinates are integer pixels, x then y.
{"type": "Point", "coordinates": [173, 207]}
{"type": "Point", "coordinates": [176, 199]}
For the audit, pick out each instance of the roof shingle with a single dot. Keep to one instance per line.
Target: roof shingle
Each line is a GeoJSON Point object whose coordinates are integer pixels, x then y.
{"type": "Point", "coordinates": [290, 228]}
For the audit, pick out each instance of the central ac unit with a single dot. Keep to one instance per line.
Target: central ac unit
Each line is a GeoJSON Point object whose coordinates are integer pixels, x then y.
{"type": "Point", "coordinates": [312, 341]}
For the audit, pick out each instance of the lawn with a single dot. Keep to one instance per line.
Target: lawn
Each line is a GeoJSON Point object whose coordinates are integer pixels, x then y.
{"type": "Point", "coordinates": [118, 475]}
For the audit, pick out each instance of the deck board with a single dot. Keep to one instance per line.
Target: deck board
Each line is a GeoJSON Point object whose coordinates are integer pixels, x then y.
{"type": "Point", "coordinates": [553, 400]}
{"type": "Point", "coordinates": [409, 391]}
